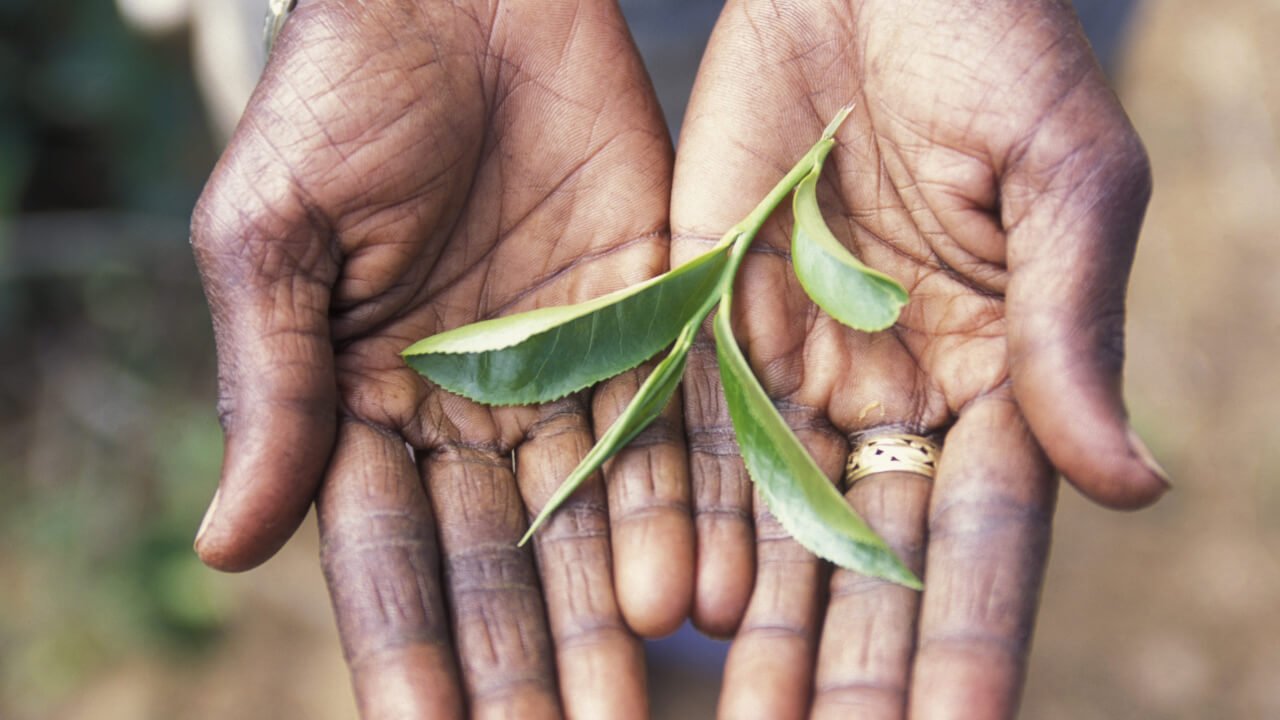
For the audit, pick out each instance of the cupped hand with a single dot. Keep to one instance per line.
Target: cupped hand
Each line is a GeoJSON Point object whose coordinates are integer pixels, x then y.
{"type": "Point", "coordinates": [988, 167]}
{"type": "Point", "coordinates": [405, 168]}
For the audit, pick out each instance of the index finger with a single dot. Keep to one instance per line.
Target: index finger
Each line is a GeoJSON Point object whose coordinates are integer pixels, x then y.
{"type": "Point", "coordinates": [989, 524]}
{"type": "Point", "coordinates": [382, 565]}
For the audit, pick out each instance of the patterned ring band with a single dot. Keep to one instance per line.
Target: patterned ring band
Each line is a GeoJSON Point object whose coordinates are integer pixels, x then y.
{"type": "Point", "coordinates": [892, 452]}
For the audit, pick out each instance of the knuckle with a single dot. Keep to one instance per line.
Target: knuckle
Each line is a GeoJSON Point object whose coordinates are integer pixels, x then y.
{"type": "Point", "coordinates": [781, 552]}
{"type": "Point", "coordinates": [663, 431]}
{"type": "Point", "coordinates": [847, 584]}
{"type": "Point", "coordinates": [374, 532]}
{"type": "Point", "coordinates": [592, 633]}
{"type": "Point", "coordinates": [226, 407]}
{"type": "Point", "coordinates": [1130, 166]}
{"type": "Point", "coordinates": [500, 626]}
{"type": "Point", "coordinates": [510, 688]}
{"type": "Point", "coordinates": [721, 512]}
{"type": "Point", "coordinates": [979, 519]}
{"type": "Point", "coordinates": [647, 510]}
{"type": "Point", "coordinates": [861, 692]}
{"type": "Point", "coordinates": [257, 216]}
{"type": "Point", "coordinates": [776, 629]}
{"type": "Point", "coordinates": [490, 568]}
{"type": "Point", "coordinates": [575, 523]}
{"type": "Point", "coordinates": [977, 643]}
{"type": "Point", "coordinates": [385, 593]}
{"type": "Point", "coordinates": [714, 440]}
{"type": "Point", "coordinates": [1107, 327]}
{"type": "Point", "coordinates": [242, 232]}
{"type": "Point", "coordinates": [563, 417]}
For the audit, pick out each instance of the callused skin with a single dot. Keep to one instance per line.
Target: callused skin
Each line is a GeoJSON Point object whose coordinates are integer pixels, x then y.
{"type": "Point", "coordinates": [989, 168]}
{"type": "Point", "coordinates": [407, 166]}
{"type": "Point", "coordinates": [404, 168]}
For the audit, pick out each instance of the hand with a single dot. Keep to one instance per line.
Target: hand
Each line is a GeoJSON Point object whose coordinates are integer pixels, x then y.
{"type": "Point", "coordinates": [405, 168]}
{"type": "Point", "coordinates": [988, 167]}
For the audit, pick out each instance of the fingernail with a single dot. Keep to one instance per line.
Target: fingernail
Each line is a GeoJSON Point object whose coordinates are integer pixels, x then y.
{"type": "Point", "coordinates": [208, 516]}
{"type": "Point", "coordinates": [1144, 454]}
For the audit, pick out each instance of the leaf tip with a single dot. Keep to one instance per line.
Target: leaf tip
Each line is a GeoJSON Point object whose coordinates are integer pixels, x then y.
{"type": "Point", "coordinates": [892, 312]}
{"type": "Point", "coordinates": [895, 571]}
{"type": "Point", "coordinates": [841, 115]}
{"type": "Point", "coordinates": [911, 581]}
{"type": "Point", "coordinates": [538, 521]}
{"type": "Point", "coordinates": [414, 348]}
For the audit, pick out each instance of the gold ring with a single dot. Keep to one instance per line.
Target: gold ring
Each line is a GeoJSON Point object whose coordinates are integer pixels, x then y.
{"type": "Point", "coordinates": [892, 452]}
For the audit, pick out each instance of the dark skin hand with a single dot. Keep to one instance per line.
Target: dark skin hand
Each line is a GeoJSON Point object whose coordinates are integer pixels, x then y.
{"type": "Point", "coordinates": [391, 181]}
{"type": "Point", "coordinates": [989, 168]}
{"type": "Point", "coordinates": [405, 168]}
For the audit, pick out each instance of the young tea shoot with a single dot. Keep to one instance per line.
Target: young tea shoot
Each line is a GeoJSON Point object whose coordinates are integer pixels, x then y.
{"type": "Point", "coordinates": [512, 361]}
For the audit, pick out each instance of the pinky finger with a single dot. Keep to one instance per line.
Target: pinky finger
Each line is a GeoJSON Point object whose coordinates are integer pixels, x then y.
{"type": "Point", "coordinates": [989, 526]}
{"type": "Point", "coordinates": [382, 565]}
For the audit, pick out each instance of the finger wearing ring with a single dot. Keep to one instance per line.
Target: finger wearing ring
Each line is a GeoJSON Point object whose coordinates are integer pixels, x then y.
{"type": "Point", "coordinates": [892, 452]}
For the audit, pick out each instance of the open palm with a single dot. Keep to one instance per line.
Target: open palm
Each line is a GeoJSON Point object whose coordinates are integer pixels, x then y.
{"type": "Point", "coordinates": [405, 168]}
{"type": "Point", "coordinates": [988, 168]}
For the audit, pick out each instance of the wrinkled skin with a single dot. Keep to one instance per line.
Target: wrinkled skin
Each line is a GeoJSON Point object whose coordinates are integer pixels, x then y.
{"type": "Point", "coordinates": [402, 169]}
{"type": "Point", "coordinates": [989, 168]}
{"type": "Point", "coordinates": [409, 167]}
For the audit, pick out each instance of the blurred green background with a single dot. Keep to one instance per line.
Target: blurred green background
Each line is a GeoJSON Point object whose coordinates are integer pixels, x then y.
{"type": "Point", "coordinates": [109, 447]}
{"type": "Point", "coordinates": [107, 444]}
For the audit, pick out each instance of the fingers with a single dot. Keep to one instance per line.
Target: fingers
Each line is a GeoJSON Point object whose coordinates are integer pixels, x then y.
{"type": "Point", "coordinates": [989, 526]}
{"type": "Point", "coordinates": [725, 562]}
{"type": "Point", "coordinates": [868, 637]}
{"type": "Point", "coordinates": [267, 277]}
{"type": "Point", "coordinates": [601, 663]}
{"type": "Point", "coordinates": [500, 628]}
{"type": "Point", "coordinates": [1073, 202]}
{"type": "Point", "coordinates": [730, 154]}
{"type": "Point", "coordinates": [769, 671]}
{"type": "Point", "coordinates": [382, 565]}
{"type": "Point", "coordinates": [650, 525]}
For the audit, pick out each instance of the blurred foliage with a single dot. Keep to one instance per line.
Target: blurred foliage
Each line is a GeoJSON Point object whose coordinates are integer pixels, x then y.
{"type": "Point", "coordinates": [108, 442]}
{"type": "Point", "coordinates": [93, 115]}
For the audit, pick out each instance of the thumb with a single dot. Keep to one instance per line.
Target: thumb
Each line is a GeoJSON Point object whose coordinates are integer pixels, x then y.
{"type": "Point", "coordinates": [267, 275]}
{"type": "Point", "coordinates": [1072, 205]}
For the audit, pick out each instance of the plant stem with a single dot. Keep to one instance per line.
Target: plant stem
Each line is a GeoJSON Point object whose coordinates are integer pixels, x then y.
{"type": "Point", "coordinates": [746, 230]}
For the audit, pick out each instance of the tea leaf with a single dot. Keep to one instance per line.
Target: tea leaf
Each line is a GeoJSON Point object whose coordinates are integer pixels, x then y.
{"type": "Point", "coordinates": [856, 295]}
{"type": "Point", "coordinates": [643, 409]}
{"type": "Point", "coordinates": [545, 354]}
{"type": "Point", "coordinates": [798, 493]}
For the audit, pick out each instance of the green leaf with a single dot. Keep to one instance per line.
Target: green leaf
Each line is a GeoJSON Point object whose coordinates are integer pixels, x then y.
{"type": "Point", "coordinates": [643, 409]}
{"type": "Point", "coordinates": [797, 492]}
{"type": "Point", "coordinates": [545, 354]}
{"type": "Point", "coordinates": [854, 294]}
